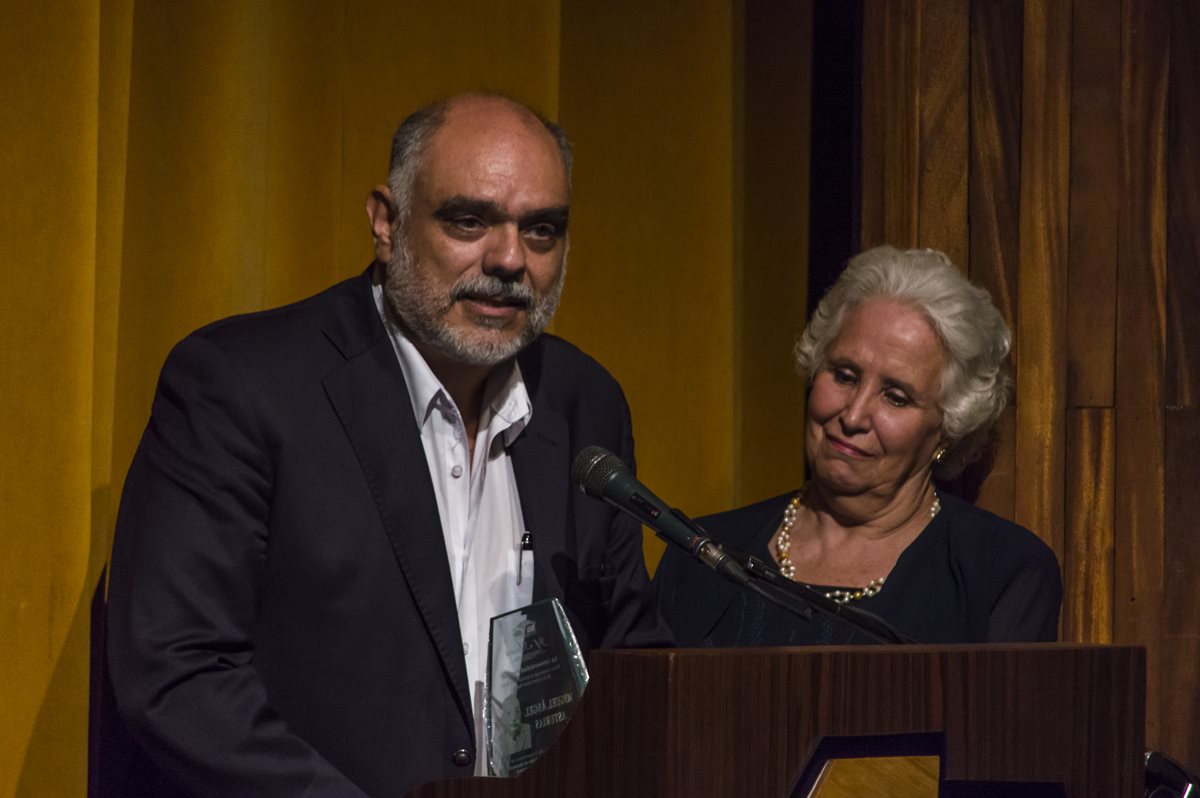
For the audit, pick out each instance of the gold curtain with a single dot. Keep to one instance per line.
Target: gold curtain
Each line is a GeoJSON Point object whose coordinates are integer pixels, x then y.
{"type": "Point", "coordinates": [165, 164]}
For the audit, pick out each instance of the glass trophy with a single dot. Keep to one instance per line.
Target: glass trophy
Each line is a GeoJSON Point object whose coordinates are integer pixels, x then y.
{"type": "Point", "coordinates": [535, 677]}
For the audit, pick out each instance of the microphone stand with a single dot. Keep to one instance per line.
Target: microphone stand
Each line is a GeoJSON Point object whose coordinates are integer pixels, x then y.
{"type": "Point", "coordinates": [799, 599]}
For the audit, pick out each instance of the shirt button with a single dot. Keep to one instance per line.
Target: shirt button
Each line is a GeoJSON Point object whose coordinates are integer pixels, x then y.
{"type": "Point", "coordinates": [456, 472]}
{"type": "Point", "coordinates": [461, 757]}
{"type": "Point", "coordinates": [466, 648]}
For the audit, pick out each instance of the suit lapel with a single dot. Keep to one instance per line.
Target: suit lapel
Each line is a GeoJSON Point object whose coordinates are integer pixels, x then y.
{"type": "Point", "coordinates": [541, 462]}
{"type": "Point", "coordinates": [371, 400]}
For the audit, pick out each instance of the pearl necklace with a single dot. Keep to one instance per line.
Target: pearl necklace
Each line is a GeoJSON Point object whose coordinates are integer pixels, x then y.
{"type": "Point", "coordinates": [783, 546]}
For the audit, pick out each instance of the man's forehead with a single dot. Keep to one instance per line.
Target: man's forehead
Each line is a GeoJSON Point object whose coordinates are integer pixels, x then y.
{"type": "Point", "coordinates": [493, 144]}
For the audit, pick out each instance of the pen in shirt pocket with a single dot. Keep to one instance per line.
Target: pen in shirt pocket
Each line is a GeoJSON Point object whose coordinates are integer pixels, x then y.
{"type": "Point", "coordinates": [525, 552]}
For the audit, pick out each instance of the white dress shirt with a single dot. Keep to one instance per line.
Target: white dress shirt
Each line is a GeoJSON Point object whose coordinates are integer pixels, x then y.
{"type": "Point", "coordinates": [477, 500]}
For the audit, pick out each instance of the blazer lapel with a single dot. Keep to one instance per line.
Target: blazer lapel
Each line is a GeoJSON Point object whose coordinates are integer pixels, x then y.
{"type": "Point", "coordinates": [371, 400]}
{"type": "Point", "coordinates": [541, 464]}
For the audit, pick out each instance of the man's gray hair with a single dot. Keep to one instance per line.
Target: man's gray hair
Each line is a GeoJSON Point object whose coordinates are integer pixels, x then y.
{"type": "Point", "coordinates": [975, 381]}
{"type": "Point", "coordinates": [411, 141]}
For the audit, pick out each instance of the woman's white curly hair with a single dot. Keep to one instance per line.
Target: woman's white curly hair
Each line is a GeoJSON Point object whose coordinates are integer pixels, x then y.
{"type": "Point", "coordinates": [975, 382]}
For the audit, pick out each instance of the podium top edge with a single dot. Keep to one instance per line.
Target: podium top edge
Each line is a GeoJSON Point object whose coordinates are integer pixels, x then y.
{"type": "Point", "coordinates": [788, 651]}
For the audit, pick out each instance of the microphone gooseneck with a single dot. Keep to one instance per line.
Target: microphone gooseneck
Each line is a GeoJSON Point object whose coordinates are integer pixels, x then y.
{"type": "Point", "coordinates": [602, 475]}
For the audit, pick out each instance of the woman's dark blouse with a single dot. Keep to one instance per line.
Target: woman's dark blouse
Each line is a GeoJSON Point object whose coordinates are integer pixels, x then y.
{"type": "Point", "coordinates": [969, 577]}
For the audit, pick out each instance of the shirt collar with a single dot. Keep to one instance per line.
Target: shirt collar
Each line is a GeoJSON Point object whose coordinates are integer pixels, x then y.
{"type": "Point", "coordinates": [505, 397]}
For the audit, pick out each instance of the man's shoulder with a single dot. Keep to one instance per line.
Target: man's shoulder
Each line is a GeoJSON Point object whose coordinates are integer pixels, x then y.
{"type": "Point", "coordinates": [343, 313]}
{"type": "Point", "coordinates": [350, 294]}
{"type": "Point", "coordinates": [557, 366]}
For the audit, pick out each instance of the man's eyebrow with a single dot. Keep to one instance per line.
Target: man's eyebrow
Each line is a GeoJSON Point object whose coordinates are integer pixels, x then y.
{"type": "Point", "coordinates": [459, 205]}
{"type": "Point", "coordinates": [556, 215]}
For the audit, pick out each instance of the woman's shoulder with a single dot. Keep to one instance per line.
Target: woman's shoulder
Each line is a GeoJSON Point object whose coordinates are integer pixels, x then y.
{"type": "Point", "coordinates": [741, 528]}
{"type": "Point", "coordinates": [744, 526]}
{"type": "Point", "coordinates": [979, 535]}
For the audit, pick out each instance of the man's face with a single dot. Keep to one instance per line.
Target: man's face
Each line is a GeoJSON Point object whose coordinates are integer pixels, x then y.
{"type": "Point", "coordinates": [477, 267]}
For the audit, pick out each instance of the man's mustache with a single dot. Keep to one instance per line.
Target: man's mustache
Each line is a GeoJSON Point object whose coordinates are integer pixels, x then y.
{"type": "Point", "coordinates": [495, 290]}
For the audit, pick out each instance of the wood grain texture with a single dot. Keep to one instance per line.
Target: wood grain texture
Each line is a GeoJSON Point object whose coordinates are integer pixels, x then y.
{"type": "Point", "coordinates": [1087, 562]}
{"type": "Point", "coordinates": [1084, 224]}
{"type": "Point", "coordinates": [1041, 361]}
{"type": "Point", "coordinates": [1180, 735]}
{"type": "Point", "coordinates": [1141, 273]}
{"type": "Point", "coordinates": [995, 184]}
{"type": "Point", "coordinates": [944, 86]}
{"type": "Point", "coordinates": [743, 721]}
{"type": "Point", "coordinates": [994, 198]}
{"type": "Point", "coordinates": [1183, 209]}
{"type": "Point", "coordinates": [999, 490]}
{"type": "Point", "coordinates": [1094, 202]}
{"type": "Point", "coordinates": [1180, 732]}
{"type": "Point", "coordinates": [905, 777]}
{"type": "Point", "coordinates": [891, 123]}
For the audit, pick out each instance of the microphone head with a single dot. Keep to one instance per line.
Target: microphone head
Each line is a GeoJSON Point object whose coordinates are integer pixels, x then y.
{"type": "Point", "coordinates": [594, 467]}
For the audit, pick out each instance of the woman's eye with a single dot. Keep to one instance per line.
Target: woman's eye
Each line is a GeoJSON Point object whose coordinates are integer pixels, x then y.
{"type": "Point", "coordinates": [843, 376]}
{"type": "Point", "coordinates": [897, 399]}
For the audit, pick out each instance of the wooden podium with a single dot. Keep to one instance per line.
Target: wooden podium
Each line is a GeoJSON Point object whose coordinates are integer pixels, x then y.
{"type": "Point", "coordinates": [743, 722]}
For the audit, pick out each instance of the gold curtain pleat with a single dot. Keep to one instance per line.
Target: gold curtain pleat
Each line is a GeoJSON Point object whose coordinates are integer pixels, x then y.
{"type": "Point", "coordinates": [166, 164]}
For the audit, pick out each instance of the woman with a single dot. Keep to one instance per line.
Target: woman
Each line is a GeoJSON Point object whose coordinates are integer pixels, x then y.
{"type": "Point", "coordinates": [905, 361]}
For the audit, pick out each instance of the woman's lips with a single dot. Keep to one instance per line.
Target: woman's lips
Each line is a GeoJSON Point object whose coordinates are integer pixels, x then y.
{"type": "Point", "coordinates": [846, 448]}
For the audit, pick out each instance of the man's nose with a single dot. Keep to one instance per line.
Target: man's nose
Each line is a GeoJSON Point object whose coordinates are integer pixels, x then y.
{"type": "Point", "coordinates": [505, 254]}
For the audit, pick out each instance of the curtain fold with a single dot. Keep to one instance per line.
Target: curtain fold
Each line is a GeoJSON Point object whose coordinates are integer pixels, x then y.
{"type": "Point", "coordinates": [164, 165]}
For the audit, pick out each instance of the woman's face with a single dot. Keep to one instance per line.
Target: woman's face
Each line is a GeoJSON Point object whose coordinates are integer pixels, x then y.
{"type": "Point", "coordinates": [873, 416]}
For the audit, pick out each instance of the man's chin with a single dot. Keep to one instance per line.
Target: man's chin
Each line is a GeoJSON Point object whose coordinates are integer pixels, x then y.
{"type": "Point", "coordinates": [486, 347]}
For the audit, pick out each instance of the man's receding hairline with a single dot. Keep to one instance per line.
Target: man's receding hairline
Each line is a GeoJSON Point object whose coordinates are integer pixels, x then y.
{"type": "Point", "coordinates": [524, 113]}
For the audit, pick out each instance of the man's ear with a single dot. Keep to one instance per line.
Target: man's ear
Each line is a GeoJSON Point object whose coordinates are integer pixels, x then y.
{"type": "Point", "coordinates": [382, 214]}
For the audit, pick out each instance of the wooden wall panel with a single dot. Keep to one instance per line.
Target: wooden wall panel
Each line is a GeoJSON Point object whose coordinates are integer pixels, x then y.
{"type": "Point", "coordinates": [943, 72]}
{"type": "Point", "coordinates": [1180, 725]}
{"type": "Point", "coordinates": [1180, 732]}
{"type": "Point", "coordinates": [1140, 329]}
{"type": "Point", "coordinates": [1183, 208]}
{"type": "Point", "coordinates": [993, 196]}
{"type": "Point", "coordinates": [1041, 294]}
{"type": "Point", "coordinates": [995, 177]}
{"type": "Point", "coordinates": [1084, 224]}
{"type": "Point", "coordinates": [1087, 561]}
{"type": "Point", "coordinates": [1095, 200]}
{"type": "Point", "coordinates": [890, 126]}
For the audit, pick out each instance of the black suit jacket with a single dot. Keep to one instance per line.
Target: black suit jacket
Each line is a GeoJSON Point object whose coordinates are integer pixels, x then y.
{"type": "Point", "coordinates": [281, 617]}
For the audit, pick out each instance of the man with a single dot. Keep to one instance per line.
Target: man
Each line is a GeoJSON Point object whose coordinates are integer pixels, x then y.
{"type": "Point", "coordinates": [332, 499]}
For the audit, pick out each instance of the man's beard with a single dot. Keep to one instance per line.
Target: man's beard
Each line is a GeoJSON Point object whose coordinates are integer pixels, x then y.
{"type": "Point", "coordinates": [423, 308]}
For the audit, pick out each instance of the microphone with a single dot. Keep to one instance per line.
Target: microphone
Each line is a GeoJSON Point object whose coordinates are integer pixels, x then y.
{"type": "Point", "coordinates": [602, 475]}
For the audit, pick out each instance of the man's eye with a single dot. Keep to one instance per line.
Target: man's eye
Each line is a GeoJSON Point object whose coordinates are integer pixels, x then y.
{"type": "Point", "coordinates": [542, 232]}
{"type": "Point", "coordinates": [468, 224]}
